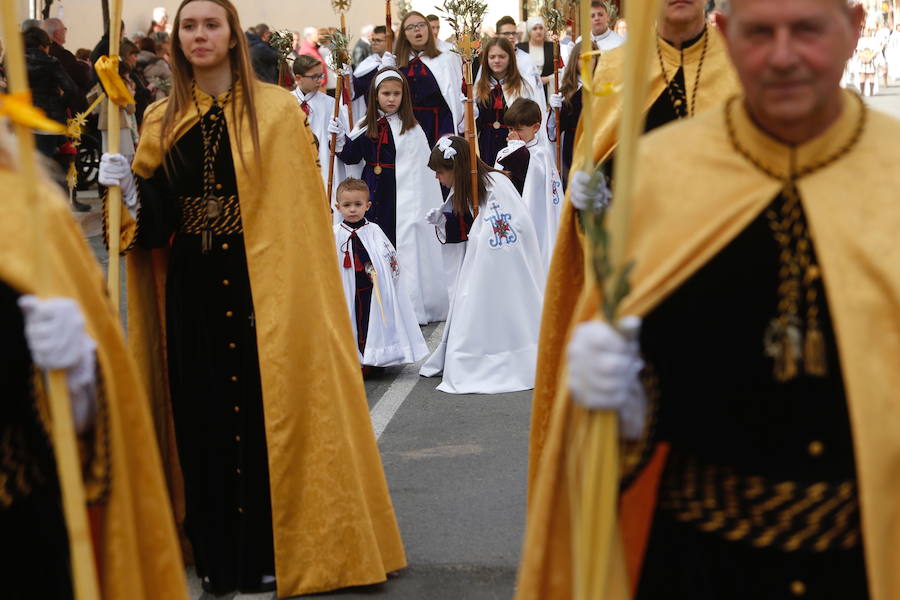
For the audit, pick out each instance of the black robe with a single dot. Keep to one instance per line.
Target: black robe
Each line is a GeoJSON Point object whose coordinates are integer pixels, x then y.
{"type": "Point", "coordinates": [736, 425]}
{"type": "Point", "coordinates": [35, 561]}
{"type": "Point", "coordinates": [359, 259]}
{"type": "Point", "coordinates": [569, 116]}
{"type": "Point", "coordinates": [213, 365]}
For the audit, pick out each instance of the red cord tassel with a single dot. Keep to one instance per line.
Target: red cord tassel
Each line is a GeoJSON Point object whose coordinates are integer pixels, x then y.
{"type": "Point", "coordinates": [347, 263]}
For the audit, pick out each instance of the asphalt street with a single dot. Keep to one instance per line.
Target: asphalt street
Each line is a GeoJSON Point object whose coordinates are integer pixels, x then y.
{"type": "Point", "coordinates": [456, 466]}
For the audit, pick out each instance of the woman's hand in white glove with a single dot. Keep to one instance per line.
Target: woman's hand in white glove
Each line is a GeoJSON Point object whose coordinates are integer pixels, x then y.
{"type": "Point", "coordinates": [556, 101]}
{"type": "Point", "coordinates": [116, 170]}
{"type": "Point", "coordinates": [604, 369]}
{"type": "Point", "coordinates": [588, 192]}
{"type": "Point", "coordinates": [388, 60]}
{"type": "Point", "coordinates": [436, 217]}
{"type": "Point", "coordinates": [56, 337]}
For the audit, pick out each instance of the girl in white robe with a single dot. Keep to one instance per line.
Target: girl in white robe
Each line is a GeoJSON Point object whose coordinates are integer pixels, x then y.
{"type": "Point", "coordinates": [383, 318]}
{"type": "Point", "coordinates": [490, 339]}
{"type": "Point", "coordinates": [392, 145]}
{"type": "Point", "coordinates": [319, 109]}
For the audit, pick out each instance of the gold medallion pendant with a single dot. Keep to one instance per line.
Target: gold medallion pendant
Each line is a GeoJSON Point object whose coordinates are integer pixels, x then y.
{"type": "Point", "coordinates": [496, 124]}
{"type": "Point", "coordinates": [213, 208]}
{"type": "Point", "coordinates": [378, 170]}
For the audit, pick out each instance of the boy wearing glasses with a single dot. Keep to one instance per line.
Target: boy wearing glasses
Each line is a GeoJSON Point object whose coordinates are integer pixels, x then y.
{"type": "Point", "coordinates": [319, 108]}
{"type": "Point", "coordinates": [506, 28]}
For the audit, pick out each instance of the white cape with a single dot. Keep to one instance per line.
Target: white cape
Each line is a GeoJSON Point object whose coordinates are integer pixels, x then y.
{"type": "Point", "coordinates": [447, 70]}
{"type": "Point", "coordinates": [369, 64]}
{"type": "Point", "coordinates": [321, 110]}
{"type": "Point", "coordinates": [527, 69]}
{"type": "Point", "coordinates": [542, 194]}
{"type": "Point", "coordinates": [491, 337]}
{"type": "Point", "coordinates": [393, 337]}
{"type": "Point", "coordinates": [418, 248]}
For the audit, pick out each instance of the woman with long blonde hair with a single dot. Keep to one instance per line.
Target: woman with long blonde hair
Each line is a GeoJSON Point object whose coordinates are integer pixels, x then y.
{"type": "Point", "coordinates": [434, 77]}
{"type": "Point", "coordinates": [253, 368]}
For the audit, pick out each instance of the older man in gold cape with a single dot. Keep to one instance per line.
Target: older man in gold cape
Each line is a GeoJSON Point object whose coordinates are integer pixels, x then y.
{"type": "Point", "coordinates": [690, 73]}
{"type": "Point", "coordinates": [768, 287]}
{"type": "Point", "coordinates": [135, 544]}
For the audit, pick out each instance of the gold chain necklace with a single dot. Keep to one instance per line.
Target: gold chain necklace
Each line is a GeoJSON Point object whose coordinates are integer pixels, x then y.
{"type": "Point", "coordinates": [798, 272]}
{"type": "Point", "coordinates": [212, 137]}
{"type": "Point", "coordinates": [678, 103]}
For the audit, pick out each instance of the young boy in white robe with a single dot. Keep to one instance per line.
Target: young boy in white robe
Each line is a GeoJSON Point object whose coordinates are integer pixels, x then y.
{"type": "Point", "coordinates": [532, 168]}
{"type": "Point", "coordinates": [382, 315]}
{"type": "Point", "coordinates": [490, 339]}
{"type": "Point", "coordinates": [319, 109]}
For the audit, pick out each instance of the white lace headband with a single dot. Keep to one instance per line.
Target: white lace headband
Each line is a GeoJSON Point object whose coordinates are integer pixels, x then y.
{"type": "Point", "coordinates": [445, 145]}
{"type": "Point", "coordinates": [385, 75]}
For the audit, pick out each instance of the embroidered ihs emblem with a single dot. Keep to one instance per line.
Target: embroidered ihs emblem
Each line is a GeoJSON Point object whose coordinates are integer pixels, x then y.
{"type": "Point", "coordinates": [500, 227]}
{"type": "Point", "coordinates": [390, 257]}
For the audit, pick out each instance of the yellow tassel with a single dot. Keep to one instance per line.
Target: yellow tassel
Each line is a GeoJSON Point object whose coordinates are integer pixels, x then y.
{"type": "Point", "coordinates": [72, 176]}
{"type": "Point", "coordinates": [814, 352]}
{"type": "Point", "coordinates": [786, 363]}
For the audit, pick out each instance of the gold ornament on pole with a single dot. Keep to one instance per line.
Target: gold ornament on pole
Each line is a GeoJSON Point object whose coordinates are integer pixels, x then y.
{"type": "Point", "coordinates": [343, 7]}
{"type": "Point", "coordinates": [339, 59]}
{"type": "Point", "coordinates": [17, 107]}
{"type": "Point", "coordinates": [594, 450]}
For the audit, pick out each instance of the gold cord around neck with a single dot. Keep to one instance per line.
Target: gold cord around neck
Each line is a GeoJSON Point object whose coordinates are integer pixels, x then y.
{"type": "Point", "coordinates": [677, 95]}
{"type": "Point", "coordinates": [798, 273]}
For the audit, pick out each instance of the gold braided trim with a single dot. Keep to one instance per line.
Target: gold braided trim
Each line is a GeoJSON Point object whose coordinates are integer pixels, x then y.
{"type": "Point", "coordinates": [194, 215]}
{"type": "Point", "coordinates": [785, 515]}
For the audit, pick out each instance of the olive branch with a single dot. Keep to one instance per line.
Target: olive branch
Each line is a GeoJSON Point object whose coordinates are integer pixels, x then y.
{"type": "Point", "coordinates": [340, 56]}
{"type": "Point", "coordinates": [283, 43]}
{"type": "Point", "coordinates": [465, 18]}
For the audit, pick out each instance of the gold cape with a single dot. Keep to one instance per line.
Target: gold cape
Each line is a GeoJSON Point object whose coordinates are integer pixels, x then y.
{"type": "Point", "coordinates": [685, 211]}
{"type": "Point", "coordinates": [136, 543]}
{"type": "Point", "coordinates": [333, 520]}
{"type": "Point", "coordinates": [565, 280]}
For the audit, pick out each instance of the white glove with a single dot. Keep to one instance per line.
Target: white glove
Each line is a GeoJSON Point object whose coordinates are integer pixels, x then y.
{"type": "Point", "coordinates": [336, 126]}
{"type": "Point", "coordinates": [556, 101]}
{"type": "Point", "coordinates": [513, 145]}
{"type": "Point", "coordinates": [436, 217]}
{"type": "Point", "coordinates": [585, 193]}
{"type": "Point", "coordinates": [388, 60]}
{"type": "Point", "coordinates": [116, 170]}
{"type": "Point", "coordinates": [54, 331]}
{"type": "Point", "coordinates": [604, 365]}
{"type": "Point", "coordinates": [346, 71]}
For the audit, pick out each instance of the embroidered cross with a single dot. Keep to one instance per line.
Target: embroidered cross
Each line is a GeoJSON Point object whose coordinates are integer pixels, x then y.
{"type": "Point", "coordinates": [500, 227]}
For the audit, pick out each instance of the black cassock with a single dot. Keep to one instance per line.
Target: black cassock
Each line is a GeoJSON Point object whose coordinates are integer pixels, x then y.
{"type": "Point", "coordinates": [758, 499]}
{"type": "Point", "coordinates": [213, 363]}
{"type": "Point", "coordinates": [35, 558]}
